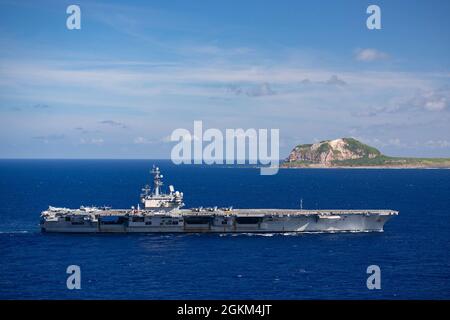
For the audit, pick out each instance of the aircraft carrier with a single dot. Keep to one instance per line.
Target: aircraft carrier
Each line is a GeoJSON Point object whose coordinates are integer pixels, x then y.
{"type": "Point", "coordinates": [162, 212]}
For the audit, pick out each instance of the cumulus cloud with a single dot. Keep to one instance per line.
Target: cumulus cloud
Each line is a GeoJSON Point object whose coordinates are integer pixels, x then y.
{"type": "Point", "coordinates": [432, 100]}
{"type": "Point", "coordinates": [435, 101]}
{"type": "Point", "coordinates": [368, 55]}
{"type": "Point", "coordinates": [334, 80]}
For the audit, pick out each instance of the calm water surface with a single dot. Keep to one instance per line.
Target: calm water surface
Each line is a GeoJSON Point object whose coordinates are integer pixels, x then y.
{"type": "Point", "coordinates": [413, 252]}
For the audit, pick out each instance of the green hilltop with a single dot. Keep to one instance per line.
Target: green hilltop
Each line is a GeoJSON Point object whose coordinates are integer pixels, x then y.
{"type": "Point", "coordinates": [349, 152]}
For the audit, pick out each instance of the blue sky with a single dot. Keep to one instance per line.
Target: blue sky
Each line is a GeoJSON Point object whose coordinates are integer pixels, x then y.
{"type": "Point", "coordinates": [137, 70]}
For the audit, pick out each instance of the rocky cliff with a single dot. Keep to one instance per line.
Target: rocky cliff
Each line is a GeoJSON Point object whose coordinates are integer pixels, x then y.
{"type": "Point", "coordinates": [329, 152]}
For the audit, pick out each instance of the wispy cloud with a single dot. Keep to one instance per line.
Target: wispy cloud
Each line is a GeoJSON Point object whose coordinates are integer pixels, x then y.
{"type": "Point", "coordinates": [50, 137]}
{"type": "Point", "coordinates": [113, 123]}
{"type": "Point", "coordinates": [94, 141]}
{"type": "Point", "coordinates": [157, 67]}
{"type": "Point", "coordinates": [41, 106]}
{"type": "Point", "coordinates": [432, 100]}
{"type": "Point", "coordinates": [143, 140]}
{"type": "Point", "coordinates": [258, 90]}
{"type": "Point", "coordinates": [438, 143]}
{"type": "Point", "coordinates": [399, 143]}
{"type": "Point", "coordinates": [122, 80]}
{"type": "Point", "coordinates": [335, 81]}
{"type": "Point", "coordinates": [369, 55]}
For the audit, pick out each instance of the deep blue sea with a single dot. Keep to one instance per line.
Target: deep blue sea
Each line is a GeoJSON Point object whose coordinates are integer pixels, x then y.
{"type": "Point", "coordinates": [413, 252]}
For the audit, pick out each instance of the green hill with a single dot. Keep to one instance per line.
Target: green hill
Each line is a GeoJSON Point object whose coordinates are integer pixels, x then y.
{"type": "Point", "coordinates": [349, 152]}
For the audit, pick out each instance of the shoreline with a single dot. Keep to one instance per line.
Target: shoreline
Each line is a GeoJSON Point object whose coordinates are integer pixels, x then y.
{"type": "Point", "coordinates": [367, 167]}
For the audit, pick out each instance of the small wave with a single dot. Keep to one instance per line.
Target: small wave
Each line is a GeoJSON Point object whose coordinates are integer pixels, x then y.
{"type": "Point", "coordinates": [259, 234]}
{"type": "Point", "coordinates": [293, 234]}
{"type": "Point", "coordinates": [248, 234]}
{"type": "Point", "coordinates": [14, 232]}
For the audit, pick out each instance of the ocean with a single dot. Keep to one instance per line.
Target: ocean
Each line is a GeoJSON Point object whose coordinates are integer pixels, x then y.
{"type": "Point", "coordinates": [412, 252]}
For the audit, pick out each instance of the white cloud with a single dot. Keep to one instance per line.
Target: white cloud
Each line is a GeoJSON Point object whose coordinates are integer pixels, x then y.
{"type": "Point", "coordinates": [436, 103]}
{"type": "Point", "coordinates": [432, 100]}
{"type": "Point", "coordinates": [438, 143]}
{"type": "Point", "coordinates": [334, 80]}
{"type": "Point", "coordinates": [142, 140]}
{"type": "Point", "coordinates": [368, 55]}
{"type": "Point", "coordinates": [259, 90]}
{"type": "Point", "coordinates": [263, 89]}
{"type": "Point", "coordinates": [189, 137]}
{"type": "Point", "coordinates": [169, 96]}
{"type": "Point", "coordinates": [114, 123]}
{"type": "Point", "coordinates": [95, 141]}
{"type": "Point", "coordinates": [395, 142]}
{"type": "Point", "coordinates": [50, 137]}
{"type": "Point", "coordinates": [381, 143]}
{"type": "Point", "coordinates": [124, 81]}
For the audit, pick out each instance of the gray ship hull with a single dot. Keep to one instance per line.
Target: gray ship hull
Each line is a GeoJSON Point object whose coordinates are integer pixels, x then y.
{"type": "Point", "coordinates": [235, 221]}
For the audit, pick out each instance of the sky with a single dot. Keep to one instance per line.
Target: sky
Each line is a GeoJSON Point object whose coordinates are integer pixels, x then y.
{"type": "Point", "coordinates": [138, 70]}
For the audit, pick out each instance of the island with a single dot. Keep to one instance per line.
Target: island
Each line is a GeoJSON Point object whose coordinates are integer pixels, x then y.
{"type": "Point", "coordinates": [351, 153]}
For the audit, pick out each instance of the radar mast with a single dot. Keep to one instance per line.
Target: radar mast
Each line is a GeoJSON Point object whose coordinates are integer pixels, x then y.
{"type": "Point", "coordinates": [157, 180]}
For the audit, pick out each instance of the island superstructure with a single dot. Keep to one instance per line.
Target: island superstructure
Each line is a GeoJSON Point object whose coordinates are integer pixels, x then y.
{"type": "Point", "coordinates": [162, 212]}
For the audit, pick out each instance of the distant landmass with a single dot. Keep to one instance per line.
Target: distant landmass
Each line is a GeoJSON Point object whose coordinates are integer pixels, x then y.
{"type": "Point", "coordinates": [351, 153]}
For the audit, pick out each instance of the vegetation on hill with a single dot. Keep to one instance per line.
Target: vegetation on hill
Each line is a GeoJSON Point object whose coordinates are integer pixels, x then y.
{"type": "Point", "coordinates": [349, 152]}
{"type": "Point", "coordinates": [360, 148]}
